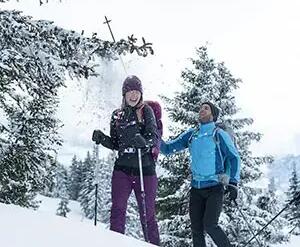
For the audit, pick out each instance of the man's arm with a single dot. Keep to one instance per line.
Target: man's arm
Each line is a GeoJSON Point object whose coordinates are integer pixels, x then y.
{"type": "Point", "coordinates": [178, 144]}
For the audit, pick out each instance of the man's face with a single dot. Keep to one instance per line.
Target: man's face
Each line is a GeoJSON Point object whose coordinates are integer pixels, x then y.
{"type": "Point", "coordinates": [205, 113]}
{"type": "Point", "coordinates": [133, 97]}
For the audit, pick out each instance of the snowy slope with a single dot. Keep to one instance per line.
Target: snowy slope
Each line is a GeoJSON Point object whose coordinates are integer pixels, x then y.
{"type": "Point", "coordinates": [49, 205]}
{"type": "Point", "coordinates": [294, 242]}
{"type": "Point", "coordinates": [20, 227]}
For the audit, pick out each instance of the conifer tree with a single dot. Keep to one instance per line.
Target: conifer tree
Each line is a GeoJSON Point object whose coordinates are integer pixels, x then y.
{"type": "Point", "coordinates": [272, 186]}
{"type": "Point", "coordinates": [87, 190]}
{"type": "Point", "coordinates": [104, 191]}
{"type": "Point", "coordinates": [75, 178]}
{"type": "Point", "coordinates": [293, 211]}
{"type": "Point", "coordinates": [61, 182]}
{"type": "Point", "coordinates": [50, 177]}
{"type": "Point", "coordinates": [35, 59]}
{"type": "Point", "coordinates": [61, 190]}
{"type": "Point", "coordinates": [63, 208]}
{"type": "Point", "coordinates": [208, 80]}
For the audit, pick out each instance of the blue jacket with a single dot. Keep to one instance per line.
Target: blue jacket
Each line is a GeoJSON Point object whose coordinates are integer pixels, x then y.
{"type": "Point", "coordinates": [209, 160]}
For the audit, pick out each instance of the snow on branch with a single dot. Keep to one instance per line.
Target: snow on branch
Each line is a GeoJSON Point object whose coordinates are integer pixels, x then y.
{"type": "Point", "coordinates": [66, 49]}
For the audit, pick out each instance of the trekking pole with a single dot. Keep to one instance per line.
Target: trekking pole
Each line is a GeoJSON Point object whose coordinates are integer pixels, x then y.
{"type": "Point", "coordinates": [291, 202]}
{"type": "Point", "coordinates": [96, 203]}
{"type": "Point", "coordinates": [96, 174]}
{"type": "Point", "coordinates": [249, 227]}
{"type": "Point", "coordinates": [144, 220]}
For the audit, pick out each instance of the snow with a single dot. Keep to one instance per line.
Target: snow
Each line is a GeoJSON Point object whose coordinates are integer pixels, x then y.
{"type": "Point", "coordinates": [49, 205]}
{"type": "Point", "coordinates": [295, 242]}
{"type": "Point", "coordinates": [3, 66]}
{"type": "Point", "coordinates": [21, 227]}
{"type": "Point", "coordinates": [41, 227]}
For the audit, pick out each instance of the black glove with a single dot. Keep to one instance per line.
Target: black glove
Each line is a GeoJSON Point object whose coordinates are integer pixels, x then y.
{"type": "Point", "coordinates": [232, 191]}
{"type": "Point", "coordinates": [98, 136]}
{"type": "Point", "coordinates": [138, 141]}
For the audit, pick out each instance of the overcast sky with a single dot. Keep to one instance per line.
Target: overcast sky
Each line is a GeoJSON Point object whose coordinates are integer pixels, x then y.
{"type": "Point", "coordinates": [257, 40]}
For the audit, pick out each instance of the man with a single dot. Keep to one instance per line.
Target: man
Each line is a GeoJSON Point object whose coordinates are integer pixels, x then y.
{"type": "Point", "coordinates": [208, 158]}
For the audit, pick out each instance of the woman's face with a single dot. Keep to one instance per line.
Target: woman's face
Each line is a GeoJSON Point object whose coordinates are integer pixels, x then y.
{"type": "Point", "coordinates": [133, 97]}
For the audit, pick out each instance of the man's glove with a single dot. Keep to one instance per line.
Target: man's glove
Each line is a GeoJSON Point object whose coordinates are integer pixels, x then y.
{"type": "Point", "coordinates": [138, 141]}
{"type": "Point", "coordinates": [98, 136]}
{"type": "Point", "coordinates": [232, 191]}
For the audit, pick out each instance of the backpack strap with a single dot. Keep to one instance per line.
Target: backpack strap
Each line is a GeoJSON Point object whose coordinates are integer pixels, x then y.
{"type": "Point", "coordinates": [216, 139]}
{"type": "Point", "coordinates": [196, 131]}
{"type": "Point", "coordinates": [140, 113]}
{"type": "Point", "coordinates": [216, 136]}
{"type": "Point", "coordinates": [157, 114]}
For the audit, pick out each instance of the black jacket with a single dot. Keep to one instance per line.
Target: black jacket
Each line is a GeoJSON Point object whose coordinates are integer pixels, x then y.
{"type": "Point", "coordinates": [123, 128]}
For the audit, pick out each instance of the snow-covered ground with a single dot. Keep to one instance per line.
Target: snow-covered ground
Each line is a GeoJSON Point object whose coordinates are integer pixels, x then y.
{"type": "Point", "coordinates": [294, 242]}
{"type": "Point", "coordinates": [20, 227]}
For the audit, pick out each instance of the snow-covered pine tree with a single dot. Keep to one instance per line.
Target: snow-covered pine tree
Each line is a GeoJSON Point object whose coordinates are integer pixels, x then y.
{"type": "Point", "coordinates": [75, 178]}
{"type": "Point", "coordinates": [104, 189]}
{"type": "Point", "coordinates": [61, 181]}
{"type": "Point", "coordinates": [61, 190]}
{"type": "Point", "coordinates": [272, 186]}
{"type": "Point", "coordinates": [210, 80]}
{"type": "Point", "coordinates": [87, 190]}
{"type": "Point", "coordinates": [50, 177]}
{"type": "Point", "coordinates": [293, 211]}
{"type": "Point", "coordinates": [63, 208]}
{"type": "Point", "coordinates": [34, 59]}
{"type": "Point", "coordinates": [269, 201]}
{"type": "Point", "coordinates": [94, 172]}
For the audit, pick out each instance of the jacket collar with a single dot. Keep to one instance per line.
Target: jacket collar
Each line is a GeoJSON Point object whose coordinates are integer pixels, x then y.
{"type": "Point", "coordinates": [207, 127]}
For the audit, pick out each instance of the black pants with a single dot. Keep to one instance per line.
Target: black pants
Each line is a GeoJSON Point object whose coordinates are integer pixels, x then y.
{"type": "Point", "coordinates": [205, 209]}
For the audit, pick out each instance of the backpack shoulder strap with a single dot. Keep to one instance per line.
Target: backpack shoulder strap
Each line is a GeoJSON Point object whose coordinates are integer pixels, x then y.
{"type": "Point", "coordinates": [216, 139]}
{"type": "Point", "coordinates": [140, 112]}
{"type": "Point", "coordinates": [216, 136]}
{"type": "Point", "coordinates": [193, 134]}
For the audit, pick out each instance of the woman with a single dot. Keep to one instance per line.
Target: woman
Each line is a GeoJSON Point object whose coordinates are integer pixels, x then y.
{"type": "Point", "coordinates": [210, 148]}
{"type": "Point", "coordinates": [133, 127]}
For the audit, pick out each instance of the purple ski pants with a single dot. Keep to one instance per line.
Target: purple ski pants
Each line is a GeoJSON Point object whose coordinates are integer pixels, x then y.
{"type": "Point", "coordinates": [122, 185]}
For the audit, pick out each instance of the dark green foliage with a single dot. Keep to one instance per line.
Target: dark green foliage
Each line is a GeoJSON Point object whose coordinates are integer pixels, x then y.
{"type": "Point", "coordinates": [75, 179]}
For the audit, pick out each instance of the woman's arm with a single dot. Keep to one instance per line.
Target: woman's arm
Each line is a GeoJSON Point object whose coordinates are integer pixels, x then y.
{"type": "Point", "coordinates": [111, 141]}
